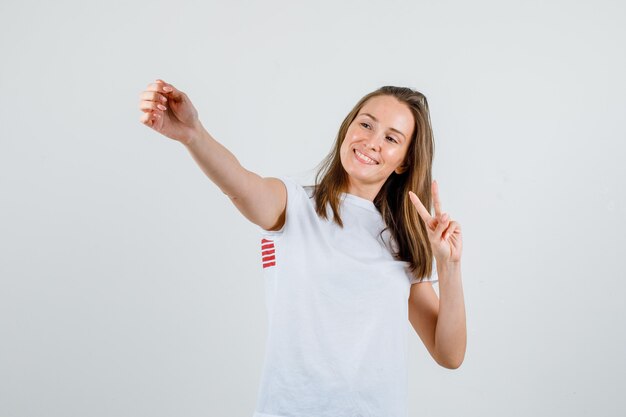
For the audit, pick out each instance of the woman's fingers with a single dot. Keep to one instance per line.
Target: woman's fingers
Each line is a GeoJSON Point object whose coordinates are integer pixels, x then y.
{"type": "Point", "coordinates": [452, 228]}
{"type": "Point", "coordinates": [152, 101]}
{"type": "Point", "coordinates": [159, 91]}
{"type": "Point", "coordinates": [444, 221]}
{"type": "Point", "coordinates": [168, 89]}
{"type": "Point", "coordinates": [148, 119]}
{"type": "Point", "coordinates": [151, 95]}
{"type": "Point", "coordinates": [424, 214]}
{"type": "Point", "coordinates": [149, 106]}
{"type": "Point", "coordinates": [436, 201]}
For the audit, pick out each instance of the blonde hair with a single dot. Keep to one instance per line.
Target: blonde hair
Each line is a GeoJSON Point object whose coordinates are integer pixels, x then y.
{"type": "Point", "coordinates": [400, 216]}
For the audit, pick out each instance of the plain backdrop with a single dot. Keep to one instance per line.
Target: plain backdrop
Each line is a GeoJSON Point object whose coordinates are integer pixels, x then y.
{"type": "Point", "coordinates": [131, 286]}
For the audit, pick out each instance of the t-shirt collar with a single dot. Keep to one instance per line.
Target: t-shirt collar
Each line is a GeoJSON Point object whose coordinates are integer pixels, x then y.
{"type": "Point", "coordinates": [360, 201]}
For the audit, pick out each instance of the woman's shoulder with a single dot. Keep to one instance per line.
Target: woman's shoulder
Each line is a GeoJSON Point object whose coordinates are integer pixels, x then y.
{"type": "Point", "coordinates": [309, 190]}
{"type": "Point", "coordinates": [297, 188]}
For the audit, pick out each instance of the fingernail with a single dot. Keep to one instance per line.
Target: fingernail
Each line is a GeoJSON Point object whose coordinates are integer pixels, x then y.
{"type": "Point", "coordinates": [168, 89]}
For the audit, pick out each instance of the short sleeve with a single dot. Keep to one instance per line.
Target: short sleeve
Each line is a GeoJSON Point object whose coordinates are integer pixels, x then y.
{"type": "Point", "coordinates": [433, 278]}
{"type": "Point", "coordinates": [295, 194]}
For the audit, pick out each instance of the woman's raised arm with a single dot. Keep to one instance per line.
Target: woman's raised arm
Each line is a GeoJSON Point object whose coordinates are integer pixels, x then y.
{"type": "Point", "coordinates": [170, 112]}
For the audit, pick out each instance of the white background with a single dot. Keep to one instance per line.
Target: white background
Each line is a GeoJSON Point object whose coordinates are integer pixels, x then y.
{"type": "Point", "coordinates": [131, 286]}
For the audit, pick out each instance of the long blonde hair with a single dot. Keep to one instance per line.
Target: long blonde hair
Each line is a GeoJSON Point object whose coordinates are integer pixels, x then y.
{"type": "Point", "coordinates": [400, 216]}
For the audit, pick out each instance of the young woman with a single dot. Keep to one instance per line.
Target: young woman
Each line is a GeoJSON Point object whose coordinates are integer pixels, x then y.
{"type": "Point", "coordinates": [345, 261]}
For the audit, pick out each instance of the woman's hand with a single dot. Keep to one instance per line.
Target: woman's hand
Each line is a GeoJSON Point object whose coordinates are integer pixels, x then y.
{"type": "Point", "coordinates": [444, 235]}
{"type": "Point", "coordinates": [169, 111]}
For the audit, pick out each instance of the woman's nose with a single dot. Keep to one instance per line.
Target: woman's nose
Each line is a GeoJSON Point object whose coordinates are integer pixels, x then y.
{"type": "Point", "coordinates": [374, 142]}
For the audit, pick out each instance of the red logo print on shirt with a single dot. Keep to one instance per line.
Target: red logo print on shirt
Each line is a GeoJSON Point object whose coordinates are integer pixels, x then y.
{"type": "Point", "coordinates": [267, 253]}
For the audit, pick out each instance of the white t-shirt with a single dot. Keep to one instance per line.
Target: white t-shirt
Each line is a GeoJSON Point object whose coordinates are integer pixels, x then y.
{"type": "Point", "coordinates": [337, 305]}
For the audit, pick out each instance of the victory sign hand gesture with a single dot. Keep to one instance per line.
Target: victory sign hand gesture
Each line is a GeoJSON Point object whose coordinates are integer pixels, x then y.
{"type": "Point", "coordinates": [444, 235]}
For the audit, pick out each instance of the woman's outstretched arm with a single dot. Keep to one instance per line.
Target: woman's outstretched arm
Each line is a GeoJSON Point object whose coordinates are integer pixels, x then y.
{"type": "Point", "coordinates": [170, 112]}
{"type": "Point", "coordinates": [260, 200]}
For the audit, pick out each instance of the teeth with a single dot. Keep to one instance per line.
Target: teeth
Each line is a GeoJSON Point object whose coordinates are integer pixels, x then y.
{"type": "Point", "coordinates": [364, 157]}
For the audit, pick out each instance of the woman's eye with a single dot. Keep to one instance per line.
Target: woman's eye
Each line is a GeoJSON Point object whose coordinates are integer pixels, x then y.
{"type": "Point", "coordinates": [365, 125]}
{"type": "Point", "coordinates": [394, 141]}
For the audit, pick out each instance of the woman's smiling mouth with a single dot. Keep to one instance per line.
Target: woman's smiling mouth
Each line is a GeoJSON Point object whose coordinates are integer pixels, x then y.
{"type": "Point", "coordinates": [364, 158]}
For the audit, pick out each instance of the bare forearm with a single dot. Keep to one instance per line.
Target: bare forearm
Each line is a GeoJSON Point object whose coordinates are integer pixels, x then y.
{"type": "Point", "coordinates": [451, 332]}
{"type": "Point", "coordinates": [218, 163]}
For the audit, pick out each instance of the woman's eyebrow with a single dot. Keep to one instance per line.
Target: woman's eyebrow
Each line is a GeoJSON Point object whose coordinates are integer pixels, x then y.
{"type": "Point", "coordinates": [375, 119]}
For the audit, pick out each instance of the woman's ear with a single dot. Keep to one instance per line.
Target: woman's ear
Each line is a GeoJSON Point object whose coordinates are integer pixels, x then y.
{"type": "Point", "coordinates": [401, 169]}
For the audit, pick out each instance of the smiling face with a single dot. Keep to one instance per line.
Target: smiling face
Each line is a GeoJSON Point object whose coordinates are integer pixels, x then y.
{"type": "Point", "coordinates": [376, 144]}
